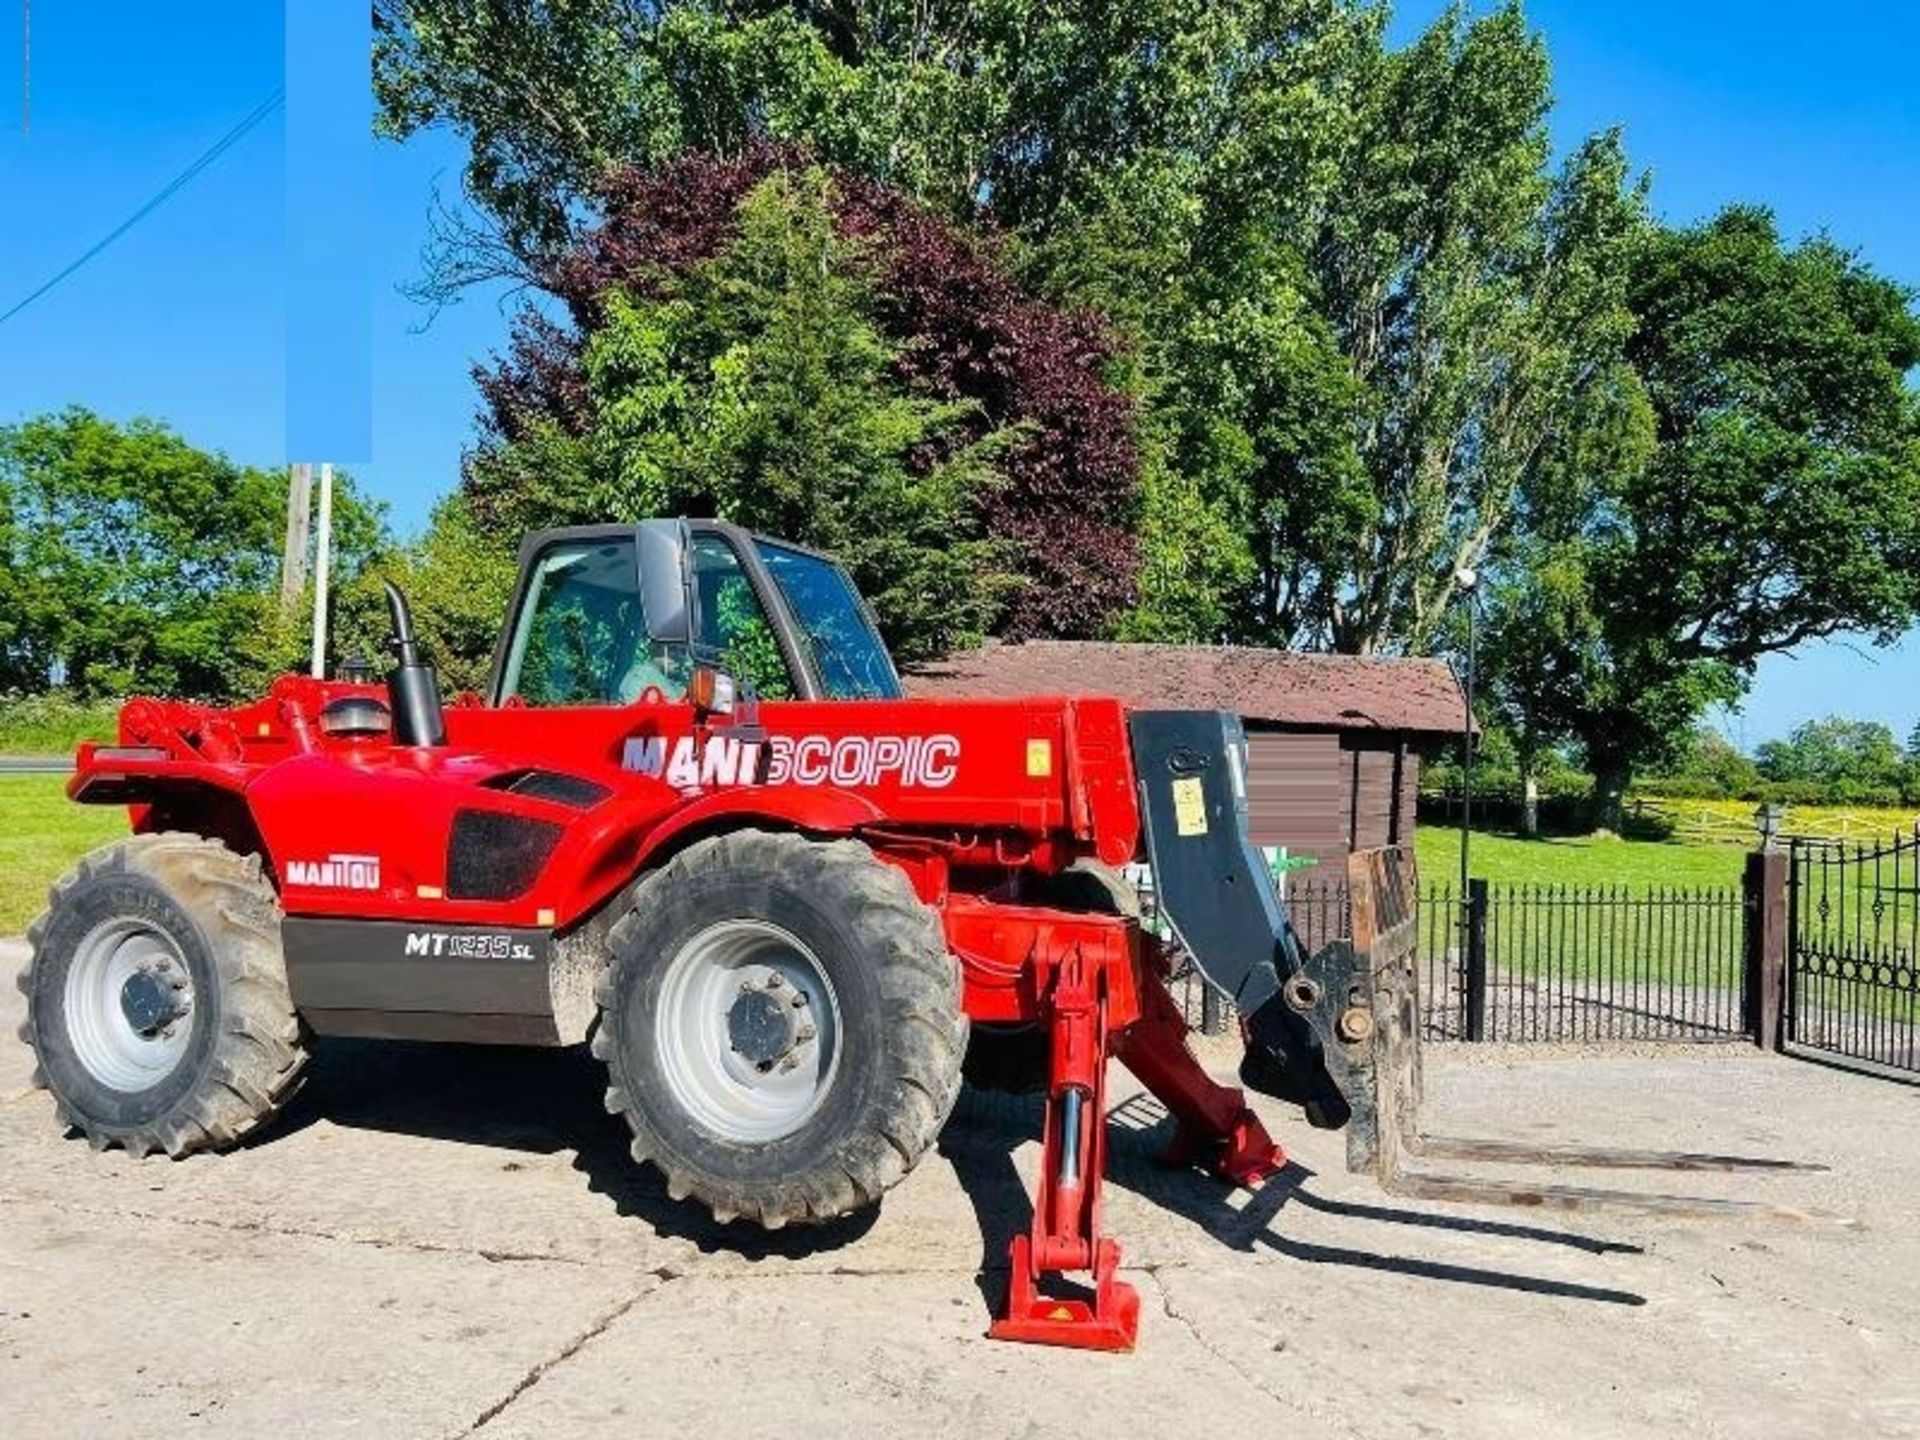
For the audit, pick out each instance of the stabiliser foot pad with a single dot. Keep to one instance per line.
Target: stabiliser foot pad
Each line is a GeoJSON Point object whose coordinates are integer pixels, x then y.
{"type": "Point", "coordinates": [1110, 1322]}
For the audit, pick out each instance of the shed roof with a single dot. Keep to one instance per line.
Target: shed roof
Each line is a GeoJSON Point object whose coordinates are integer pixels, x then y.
{"type": "Point", "coordinates": [1280, 687]}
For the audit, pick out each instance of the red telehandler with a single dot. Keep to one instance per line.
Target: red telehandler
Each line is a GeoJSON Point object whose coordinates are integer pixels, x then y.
{"type": "Point", "coordinates": [695, 825]}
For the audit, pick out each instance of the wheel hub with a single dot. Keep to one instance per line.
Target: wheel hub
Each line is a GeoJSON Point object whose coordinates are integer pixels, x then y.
{"type": "Point", "coordinates": [149, 1002]}
{"type": "Point", "coordinates": [748, 1030]}
{"type": "Point", "coordinates": [761, 1027]}
{"type": "Point", "coordinates": [129, 996]}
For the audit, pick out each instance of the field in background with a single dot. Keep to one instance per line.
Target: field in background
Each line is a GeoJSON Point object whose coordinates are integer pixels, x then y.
{"type": "Point", "coordinates": [41, 834]}
{"type": "Point", "coordinates": [1731, 822]}
{"type": "Point", "coordinates": [1576, 860]}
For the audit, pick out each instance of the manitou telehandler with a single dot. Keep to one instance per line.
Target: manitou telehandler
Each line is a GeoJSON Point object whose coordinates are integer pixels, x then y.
{"type": "Point", "coordinates": [695, 825]}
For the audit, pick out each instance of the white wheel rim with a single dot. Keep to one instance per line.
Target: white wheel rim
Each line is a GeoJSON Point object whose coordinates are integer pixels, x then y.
{"type": "Point", "coordinates": [731, 1094]}
{"type": "Point", "coordinates": [111, 957]}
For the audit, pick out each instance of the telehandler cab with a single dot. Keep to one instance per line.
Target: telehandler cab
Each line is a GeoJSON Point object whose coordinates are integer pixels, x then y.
{"type": "Point", "coordinates": [695, 825]}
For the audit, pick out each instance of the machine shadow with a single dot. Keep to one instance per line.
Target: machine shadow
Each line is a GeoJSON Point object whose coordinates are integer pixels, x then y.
{"type": "Point", "coordinates": [986, 1130]}
{"type": "Point", "coordinates": [547, 1102]}
{"type": "Point", "coordinates": [542, 1102]}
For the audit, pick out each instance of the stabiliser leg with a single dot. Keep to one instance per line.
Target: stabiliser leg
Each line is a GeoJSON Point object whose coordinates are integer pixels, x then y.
{"type": "Point", "coordinates": [1217, 1132]}
{"type": "Point", "coordinates": [1066, 1204]}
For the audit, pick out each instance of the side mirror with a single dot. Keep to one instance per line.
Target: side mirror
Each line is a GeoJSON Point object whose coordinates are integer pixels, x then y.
{"type": "Point", "coordinates": [666, 582]}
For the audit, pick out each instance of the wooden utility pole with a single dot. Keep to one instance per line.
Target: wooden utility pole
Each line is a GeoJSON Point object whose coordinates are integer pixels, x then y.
{"type": "Point", "coordinates": [293, 559]}
{"type": "Point", "coordinates": [322, 560]}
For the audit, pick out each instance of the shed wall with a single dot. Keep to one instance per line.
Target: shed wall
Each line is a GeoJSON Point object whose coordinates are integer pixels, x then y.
{"type": "Point", "coordinates": [1324, 794]}
{"type": "Point", "coordinates": [1297, 792]}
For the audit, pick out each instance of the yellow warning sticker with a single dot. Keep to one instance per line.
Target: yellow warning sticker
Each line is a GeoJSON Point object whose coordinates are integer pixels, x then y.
{"type": "Point", "coordinates": [1189, 806]}
{"type": "Point", "coordinates": [1039, 759]}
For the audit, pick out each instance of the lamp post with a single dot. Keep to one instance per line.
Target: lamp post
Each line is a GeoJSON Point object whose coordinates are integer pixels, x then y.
{"type": "Point", "coordinates": [1468, 579]}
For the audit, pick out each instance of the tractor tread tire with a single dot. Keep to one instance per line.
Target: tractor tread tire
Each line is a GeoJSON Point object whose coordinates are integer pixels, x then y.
{"type": "Point", "coordinates": [254, 1059]}
{"type": "Point", "coordinates": [913, 1050]}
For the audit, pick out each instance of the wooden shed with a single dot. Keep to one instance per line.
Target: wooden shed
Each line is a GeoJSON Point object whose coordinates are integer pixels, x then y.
{"type": "Point", "coordinates": [1334, 741]}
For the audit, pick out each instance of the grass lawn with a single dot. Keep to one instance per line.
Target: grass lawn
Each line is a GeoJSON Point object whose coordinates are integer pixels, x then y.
{"type": "Point", "coordinates": [41, 834]}
{"type": "Point", "coordinates": [1580, 860]}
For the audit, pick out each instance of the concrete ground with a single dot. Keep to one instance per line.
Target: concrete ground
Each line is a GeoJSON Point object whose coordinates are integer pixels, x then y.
{"type": "Point", "coordinates": [439, 1241]}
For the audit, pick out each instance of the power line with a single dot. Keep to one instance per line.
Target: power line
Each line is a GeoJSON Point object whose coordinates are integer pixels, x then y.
{"type": "Point", "coordinates": [179, 182]}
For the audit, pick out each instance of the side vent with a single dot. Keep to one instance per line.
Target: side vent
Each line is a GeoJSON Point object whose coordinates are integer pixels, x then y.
{"type": "Point", "coordinates": [496, 857]}
{"type": "Point", "coordinates": [549, 785]}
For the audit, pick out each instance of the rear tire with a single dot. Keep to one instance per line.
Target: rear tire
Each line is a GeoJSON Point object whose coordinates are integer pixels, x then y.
{"type": "Point", "coordinates": [697, 1032]}
{"type": "Point", "coordinates": [157, 1003]}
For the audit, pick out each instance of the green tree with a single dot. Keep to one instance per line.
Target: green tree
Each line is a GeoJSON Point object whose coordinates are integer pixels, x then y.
{"type": "Point", "coordinates": [133, 560]}
{"type": "Point", "coordinates": [1481, 301]}
{"type": "Point", "coordinates": [1366, 312]}
{"type": "Point", "coordinates": [757, 386]}
{"type": "Point", "coordinates": [1847, 759]}
{"type": "Point", "coordinates": [1537, 645]}
{"type": "Point", "coordinates": [1011, 105]}
{"type": "Point", "coordinates": [457, 577]}
{"type": "Point", "coordinates": [1709, 760]}
{"type": "Point", "coordinates": [1782, 500]}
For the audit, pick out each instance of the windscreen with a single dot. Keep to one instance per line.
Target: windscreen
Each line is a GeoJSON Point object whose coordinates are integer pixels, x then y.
{"type": "Point", "coordinates": [847, 652]}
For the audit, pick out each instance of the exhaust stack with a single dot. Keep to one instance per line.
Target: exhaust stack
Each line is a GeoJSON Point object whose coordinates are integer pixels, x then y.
{"type": "Point", "coordinates": [412, 689]}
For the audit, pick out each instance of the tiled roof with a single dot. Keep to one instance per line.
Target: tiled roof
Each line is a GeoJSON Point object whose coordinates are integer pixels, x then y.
{"type": "Point", "coordinates": [1324, 692]}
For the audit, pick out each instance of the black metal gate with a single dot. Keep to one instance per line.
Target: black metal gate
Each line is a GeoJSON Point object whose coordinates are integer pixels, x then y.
{"type": "Point", "coordinates": [1853, 935]}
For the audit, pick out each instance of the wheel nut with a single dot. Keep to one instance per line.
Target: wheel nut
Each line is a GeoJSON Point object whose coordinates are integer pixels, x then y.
{"type": "Point", "coordinates": [804, 1034]}
{"type": "Point", "coordinates": [776, 980]}
{"type": "Point", "coordinates": [799, 999]}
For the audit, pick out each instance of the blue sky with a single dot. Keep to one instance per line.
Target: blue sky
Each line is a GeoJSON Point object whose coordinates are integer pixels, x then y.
{"type": "Point", "coordinates": [1812, 111]}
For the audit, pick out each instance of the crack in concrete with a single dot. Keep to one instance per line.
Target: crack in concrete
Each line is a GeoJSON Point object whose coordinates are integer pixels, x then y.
{"type": "Point", "coordinates": [494, 1255]}
{"type": "Point", "coordinates": [662, 1278]}
{"type": "Point", "coordinates": [1287, 1403]}
{"type": "Point", "coordinates": [300, 1232]}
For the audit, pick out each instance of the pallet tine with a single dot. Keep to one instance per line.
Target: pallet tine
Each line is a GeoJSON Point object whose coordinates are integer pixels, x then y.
{"type": "Point", "coordinates": [1378, 1064]}
{"type": "Point", "coordinates": [1597, 1157]}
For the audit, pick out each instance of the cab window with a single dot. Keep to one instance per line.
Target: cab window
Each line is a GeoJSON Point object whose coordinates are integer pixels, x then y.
{"type": "Point", "coordinates": [581, 636]}
{"type": "Point", "coordinates": [733, 625]}
{"type": "Point", "coordinates": [835, 625]}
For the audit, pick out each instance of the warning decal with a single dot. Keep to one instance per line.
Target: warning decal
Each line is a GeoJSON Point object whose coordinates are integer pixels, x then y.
{"type": "Point", "coordinates": [1189, 806]}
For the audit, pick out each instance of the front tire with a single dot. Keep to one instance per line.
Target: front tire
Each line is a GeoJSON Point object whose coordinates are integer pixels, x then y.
{"type": "Point", "coordinates": [157, 1002]}
{"type": "Point", "coordinates": [781, 1025]}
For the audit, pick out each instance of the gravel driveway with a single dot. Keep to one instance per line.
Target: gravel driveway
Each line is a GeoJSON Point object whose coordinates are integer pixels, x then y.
{"type": "Point", "coordinates": [438, 1241]}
